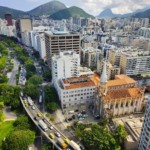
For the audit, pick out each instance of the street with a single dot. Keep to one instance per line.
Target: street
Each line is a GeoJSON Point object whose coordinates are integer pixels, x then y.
{"type": "Point", "coordinates": [12, 79]}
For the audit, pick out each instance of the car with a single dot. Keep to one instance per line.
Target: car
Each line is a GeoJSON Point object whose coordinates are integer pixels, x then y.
{"type": "Point", "coordinates": [76, 110]}
{"type": "Point", "coordinates": [51, 135]}
{"type": "Point", "coordinates": [33, 107]}
{"type": "Point", "coordinates": [83, 112]}
{"type": "Point", "coordinates": [73, 117]}
{"type": "Point", "coordinates": [67, 141]}
{"type": "Point", "coordinates": [80, 118]}
{"type": "Point", "coordinates": [85, 116]}
{"type": "Point", "coordinates": [97, 117]}
{"type": "Point", "coordinates": [44, 119]}
{"type": "Point", "coordinates": [26, 105]}
{"type": "Point", "coordinates": [36, 118]}
{"type": "Point", "coordinates": [57, 134]}
{"type": "Point", "coordinates": [50, 127]}
{"type": "Point", "coordinates": [39, 114]}
{"type": "Point", "coordinates": [69, 119]}
{"type": "Point", "coordinates": [71, 112]}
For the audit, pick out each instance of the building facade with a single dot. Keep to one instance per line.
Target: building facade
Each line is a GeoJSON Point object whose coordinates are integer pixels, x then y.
{"type": "Point", "coordinates": [144, 142]}
{"type": "Point", "coordinates": [60, 41]}
{"type": "Point", "coordinates": [75, 91]}
{"type": "Point", "coordinates": [65, 65]}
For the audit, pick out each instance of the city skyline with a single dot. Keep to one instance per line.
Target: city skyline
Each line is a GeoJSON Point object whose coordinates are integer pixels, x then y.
{"type": "Point", "coordinates": [93, 7]}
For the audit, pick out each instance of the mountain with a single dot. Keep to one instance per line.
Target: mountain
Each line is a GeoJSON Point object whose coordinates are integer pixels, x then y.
{"type": "Point", "coordinates": [47, 9]}
{"type": "Point", "coordinates": [144, 14]}
{"type": "Point", "coordinates": [70, 12]}
{"type": "Point", "coordinates": [107, 13]}
{"type": "Point", "coordinates": [15, 13]}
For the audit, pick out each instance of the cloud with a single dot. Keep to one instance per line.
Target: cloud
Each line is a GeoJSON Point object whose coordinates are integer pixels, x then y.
{"type": "Point", "coordinates": [117, 6]}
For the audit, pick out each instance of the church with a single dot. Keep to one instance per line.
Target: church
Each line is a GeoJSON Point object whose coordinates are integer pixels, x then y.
{"type": "Point", "coordinates": [117, 97]}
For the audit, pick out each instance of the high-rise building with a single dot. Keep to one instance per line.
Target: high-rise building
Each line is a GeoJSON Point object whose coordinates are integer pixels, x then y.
{"type": "Point", "coordinates": [144, 142]}
{"type": "Point", "coordinates": [111, 70]}
{"type": "Point", "coordinates": [65, 65]}
{"type": "Point", "coordinates": [9, 19]}
{"type": "Point", "coordinates": [90, 56]}
{"type": "Point", "coordinates": [25, 24]}
{"type": "Point", "coordinates": [60, 41]}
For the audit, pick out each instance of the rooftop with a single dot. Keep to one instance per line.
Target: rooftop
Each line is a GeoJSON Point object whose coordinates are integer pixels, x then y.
{"type": "Point", "coordinates": [77, 82]}
{"type": "Point", "coordinates": [123, 93]}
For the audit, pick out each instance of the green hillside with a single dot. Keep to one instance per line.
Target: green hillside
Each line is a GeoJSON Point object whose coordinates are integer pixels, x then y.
{"type": "Point", "coordinates": [70, 12]}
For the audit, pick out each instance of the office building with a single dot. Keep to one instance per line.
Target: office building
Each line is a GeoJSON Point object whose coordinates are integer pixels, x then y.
{"type": "Point", "coordinates": [60, 41]}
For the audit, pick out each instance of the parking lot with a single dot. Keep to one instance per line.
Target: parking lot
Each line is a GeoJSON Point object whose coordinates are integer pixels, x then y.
{"type": "Point", "coordinates": [79, 113]}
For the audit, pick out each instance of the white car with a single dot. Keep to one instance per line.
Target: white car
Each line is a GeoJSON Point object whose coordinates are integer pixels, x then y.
{"type": "Point", "coordinates": [33, 107]}
{"type": "Point", "coordinates": [51, 127]}
{"type": "Point", "coordinates": [57, 134]}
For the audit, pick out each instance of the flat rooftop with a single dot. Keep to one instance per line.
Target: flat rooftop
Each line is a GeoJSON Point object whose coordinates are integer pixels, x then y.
{"type": "Point", "coordinates": [77, 82]}
{"type": "Point", "coordinates": [133, 125]}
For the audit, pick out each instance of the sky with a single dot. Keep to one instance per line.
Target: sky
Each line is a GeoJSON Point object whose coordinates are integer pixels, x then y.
{"type": "Point", "coordinates": [93, 7]}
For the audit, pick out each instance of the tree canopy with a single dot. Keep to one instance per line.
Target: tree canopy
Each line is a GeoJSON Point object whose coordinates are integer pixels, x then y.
{"type": "Point", "coordinates": [18, 140]}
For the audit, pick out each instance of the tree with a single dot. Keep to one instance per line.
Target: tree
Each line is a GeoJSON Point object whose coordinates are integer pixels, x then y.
{"type": "Point", "coordinates": [31, 90]}
{"type": "Point", "coordinates": [36, 80]}
{"type": "Point", "coordinates": [120, 134]}
{"type": "Point", "coordinates": [52, 106]}
{"type": "Point", "coordinates": [2, 117]}
{"type": "Point", "coordinates": [96, 137]}
{"type": "Point", "coordinates": [22, 123]}
{"type": "Point", "coordinates": [18, 140]}
{"type": "Point", "coordinates": [47, 74]}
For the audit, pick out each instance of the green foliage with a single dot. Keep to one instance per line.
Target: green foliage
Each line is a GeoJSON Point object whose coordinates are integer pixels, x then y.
{"type": "Point", "coordinates": [36, 54]}
{"type": "Point", "coordinates": [51, 98]}
{"type": "Point", "coordinates": [70, 12]}
{"type": "Point", "coordinates": [36, 80]}
{"type": "Point", "coordinates": [53, 106]}
{"type": "Point", "coordinates": [120, 134]}
{"type": "Point", "coordinates": [22, 123]}
{"type": "Point", "coordinates": [47, 74]}
{"type": "Point", "coordinates": [3, 79]}
{"type": "Point", "coordinates": [96, 137]}
{"type": "Point", "coordinates": [18, 140]}
{"type": "Point", "coordinates": [48, 146]}
{"type": "Point", "coordinates": [5, 128]}
{"type": "Point", "coordinates": [2, 105]}
{"type": "Point", "coordinates": [31, 90]}
{"type": "Point", "coordinates": [10, 95]}
{"type": "Point", "coordinates": [31, 70]}
{"type": "Point", "coordinates": [2, 117]}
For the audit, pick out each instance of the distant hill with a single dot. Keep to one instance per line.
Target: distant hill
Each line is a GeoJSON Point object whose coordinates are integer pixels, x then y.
{"type": "Point", "coordinates": [47, 9]}
{"type": "Point", "coordinates": [15, 13]}
{"type": "Point", "coordinates": [145, 14]}
{"type": "Point", "coordinates": [107, 13]}
{"type": "Point", "coordinates": [70, 12]}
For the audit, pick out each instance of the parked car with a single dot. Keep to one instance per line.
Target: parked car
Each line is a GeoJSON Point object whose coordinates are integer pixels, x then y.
{"type": "Point", "coordinates": [57, 134]}
{"type": "Point", "coordinates": [73, 117]}
{"type": "Point", "coordinates": [50, 127]}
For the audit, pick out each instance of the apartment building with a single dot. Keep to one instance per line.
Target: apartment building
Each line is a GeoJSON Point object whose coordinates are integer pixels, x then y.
{"type": "Point", "coordinates": [75, 91]}
{"type": "Point", "coordinates": [134, 63]}
{"type": "Point", "coordinates": [111, 70]}
{"type": "Point", "coordinates": [144, 142]}
{"type": "Point", "coordinates": [65, 65]}
{"type": "Point", "coordinates": [60, 41]}
{"type": "Point", "coordinates": [90, 56]}
{"type": "Point", "coordinates": [114, 56]}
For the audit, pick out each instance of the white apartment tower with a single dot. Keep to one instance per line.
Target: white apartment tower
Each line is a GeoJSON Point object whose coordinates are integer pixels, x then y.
{"type": "Point", "coordinates": [144, 142]}
{"type": "Point", "coordinates": [65, 65]}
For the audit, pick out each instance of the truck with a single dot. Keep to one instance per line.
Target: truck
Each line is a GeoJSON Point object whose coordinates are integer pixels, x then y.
{"type": "Point", "coordinates": [40, 99]}
{"type": "Point", "coordinates": [43, 125]}
{"type": "Point", "coordinates": [30, 101]}
{"type": "Point", "coordinates": [74, 145]}
{"type": "Point", "coordinates": [61, 143]}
